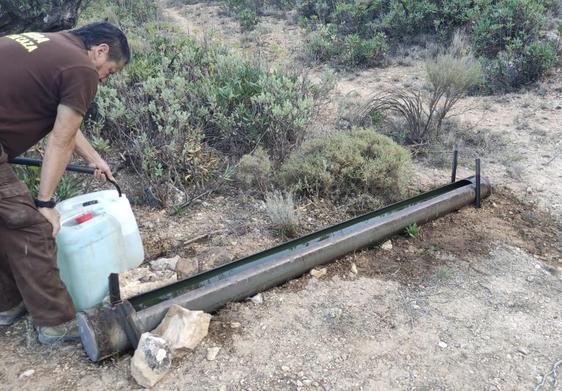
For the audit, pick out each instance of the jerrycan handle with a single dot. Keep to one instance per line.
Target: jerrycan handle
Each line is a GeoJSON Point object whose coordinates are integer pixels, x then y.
{"type": "Point", "coordinates": [25, 161]}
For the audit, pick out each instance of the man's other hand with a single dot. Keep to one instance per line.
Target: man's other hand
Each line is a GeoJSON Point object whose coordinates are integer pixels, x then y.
{"type": "Point", "coordinates": [102, 170]}
{"type": "Point", "coordinates": [53, 217]}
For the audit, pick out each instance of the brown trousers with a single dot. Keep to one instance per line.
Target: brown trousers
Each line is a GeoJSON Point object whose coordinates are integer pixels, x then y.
{"type": "Point", "coordinates": [28, 255]}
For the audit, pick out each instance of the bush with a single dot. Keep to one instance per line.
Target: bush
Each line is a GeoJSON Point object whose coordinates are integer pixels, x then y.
{"type": "Point", "coordinates": [322, 44]}
{"type": "Point", "coordinates": [510, 22]}
{"type": "Point", "coordinates": [282, 213]}
{"type": "Point", "coordinates": [514, 68]}
{"type": "Point", "coordinates": [351, 50]}
{"type": "Point", "coordinates": [358, 51]}
{"type": "Point", "coordinates": [423, 112]}
{"type": "Point", "coordinates": [347, 165]}
{"type": "Point", "coordinates": [507, 38]}
{"type": "Point", "coordinates": [254, 170]}
{"type": "Point", "coordinates": [180, 105]}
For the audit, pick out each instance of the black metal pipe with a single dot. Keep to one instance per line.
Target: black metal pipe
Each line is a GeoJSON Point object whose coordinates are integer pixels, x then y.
{"type": "Point", "coordinates": [103, 335]}
{"type": "Point", "coordinates": [454, 167]}
{"type": "Point", "coordinates": [114, 290]}
{"type": "Point", "coordinates": [478, 184]}
{"type": "Point", "coordinates": [26, 161]}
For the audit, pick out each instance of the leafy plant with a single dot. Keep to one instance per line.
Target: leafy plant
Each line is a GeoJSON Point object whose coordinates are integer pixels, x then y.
{"type": "Point", "coordinates": [412, 230]}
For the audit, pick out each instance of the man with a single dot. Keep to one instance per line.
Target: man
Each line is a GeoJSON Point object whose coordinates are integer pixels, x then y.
{"type": "Point", "coordinates": [47, 82]}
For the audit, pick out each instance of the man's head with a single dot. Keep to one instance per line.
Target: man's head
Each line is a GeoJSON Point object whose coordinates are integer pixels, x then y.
{"type": "Point", "coordinates": [107, 47]}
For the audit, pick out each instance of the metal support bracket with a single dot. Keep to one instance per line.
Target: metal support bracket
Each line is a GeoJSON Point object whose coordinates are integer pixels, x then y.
{"type": "Point", "coordinates": [124, 311]}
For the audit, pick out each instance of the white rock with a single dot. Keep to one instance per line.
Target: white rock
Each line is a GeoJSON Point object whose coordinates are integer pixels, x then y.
{"type": "Point", "coordinates": [212, 353]}
{"type": "Point", "coordinates": [162, 264]}
{"type": "Point", "coordinates": [442, 344]}
{"type": "Point", "coordinates": [183, 329]}
{"type": "Point", "coordinates": [318, 273]}
{"type": "Point", "coordinates": [354, 268]}
{"type": "Point", "coordinates": [235, 325]}
{"type": "Point", "coordinates": [387, 246]}
{"type": "Point", "coordinates": [152, 360]}
{"type": "Point", "coordinates": [27, 373]}
{"type": "Point", "coordinates": [186, 267]}
{"type": "Point", "coordinates": [257, 299]}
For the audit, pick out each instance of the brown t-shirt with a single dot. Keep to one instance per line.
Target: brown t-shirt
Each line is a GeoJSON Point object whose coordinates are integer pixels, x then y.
{"type": "Point", "coordinates": [39, 71]}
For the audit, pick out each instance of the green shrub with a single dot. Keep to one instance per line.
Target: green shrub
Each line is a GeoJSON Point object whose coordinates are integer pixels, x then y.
{"type": "Point", "coordinates": [507, 37]}
{"type": "Point", "coordinates": [514, 68]}
{"type": "Point", "coordinates": [322, 44]}
{"type": "Point", "coordinates": [351, 50]}
{"type": "Point", "coordinates": [509, 23]}
{"type": "Point", "coordinates": [181, 104]}
{"type": "Point", "coordinates": [254, 170]}
{"type": "Point", "coordinates": [348, 165]}
{"type": "Point", "coordinates": [357, 51]}
{"type": "Point", "coordinates": [248, 19]}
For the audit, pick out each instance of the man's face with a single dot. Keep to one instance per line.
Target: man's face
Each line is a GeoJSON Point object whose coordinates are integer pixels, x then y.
{"type": "Point", "coordinates": [108, 68]}
{"type": "Point", "coordinates": [104, 65]}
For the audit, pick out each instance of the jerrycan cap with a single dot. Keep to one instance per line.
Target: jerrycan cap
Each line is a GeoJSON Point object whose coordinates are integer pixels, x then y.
{"type": "Point", "coordinates": [84, 217]}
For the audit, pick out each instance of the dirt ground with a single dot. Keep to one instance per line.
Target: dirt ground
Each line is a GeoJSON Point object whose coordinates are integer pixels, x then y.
{"type": "Point", "coordinates": [472, 303]}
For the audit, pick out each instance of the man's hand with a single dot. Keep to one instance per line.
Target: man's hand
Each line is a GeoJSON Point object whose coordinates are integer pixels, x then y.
{"type": "Point", "coordinates": [53, 217]}
{"type": "Point", "coordinates": [102, 169]}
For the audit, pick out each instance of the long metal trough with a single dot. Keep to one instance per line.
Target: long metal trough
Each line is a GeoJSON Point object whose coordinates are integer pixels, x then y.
{"type": "Point", "coordinates": [103, 335]}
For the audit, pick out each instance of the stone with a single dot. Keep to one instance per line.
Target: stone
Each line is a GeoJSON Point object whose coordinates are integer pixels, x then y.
{"type": "Point", "coordinates": [212, 353]}
{"type": "Point", "coordinates": [152, 360]}
{"type": "Point", "coordinates": [257, 299]}
{"type": "Point", "coordinates": [186, 267]}
{"type": "Point", "coordinates": [27, 373]}
{"type": "Point", "coordinates": [235, 325]}
{"type": "Point", "coordinates": [354, 268]}
{"type": "Point", "coordinates": [442, 344]}
{"type": "Point", "coordinates": [387, 246]}
{"type": "Point", "coordinates": [318, 273]}
{"type": "Point", "coordinates": [163, 264]}
{"type": "Point", "coordinates": [183, 329]}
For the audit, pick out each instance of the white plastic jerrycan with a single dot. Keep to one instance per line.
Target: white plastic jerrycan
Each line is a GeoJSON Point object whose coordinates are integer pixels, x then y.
{"type": "Point", "coordinates": [108, 201]}
{"type": "Point", "coordinates": [90, 247]}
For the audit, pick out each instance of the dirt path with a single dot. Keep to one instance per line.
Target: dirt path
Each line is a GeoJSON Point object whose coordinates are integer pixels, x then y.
{"type": "Point", "coordinates": [472, 303]}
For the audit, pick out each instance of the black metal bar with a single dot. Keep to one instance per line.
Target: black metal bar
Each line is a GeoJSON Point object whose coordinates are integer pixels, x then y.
{"type": "Point", "coordinates": [124, 311]}
{"type": "Point", "coordinates": [26, 161]}
{"type": "Point", "coordinates": [455, 163]}
{"type": "Point", "coordinates": [114, 291]}
{"type": "Point", "coordinates": [478, 184]}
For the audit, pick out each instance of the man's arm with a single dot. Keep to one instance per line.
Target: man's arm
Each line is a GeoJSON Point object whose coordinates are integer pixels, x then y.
{"type": "Point", "coordinates": [85, 149]}
{"type": "Point", "coordinates": [57, 155]}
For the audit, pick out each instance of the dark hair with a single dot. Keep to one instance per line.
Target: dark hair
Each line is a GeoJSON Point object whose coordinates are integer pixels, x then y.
{"type": "Point", "coordinates": [105, 32]}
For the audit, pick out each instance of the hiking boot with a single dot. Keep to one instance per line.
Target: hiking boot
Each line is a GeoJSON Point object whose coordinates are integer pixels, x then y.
{"type": "Point", "coordinates": [64, 332]}
{"type": "Point", "coordinates": [12, 315]}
